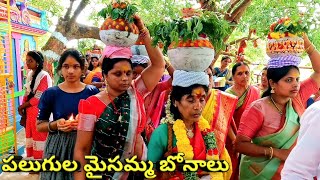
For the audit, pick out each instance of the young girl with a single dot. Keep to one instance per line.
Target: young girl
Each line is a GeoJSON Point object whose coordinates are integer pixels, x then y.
{"type": "Point", "coordinates": [38, 81]}
{"type": "Point", "coordinates": [62, 101]}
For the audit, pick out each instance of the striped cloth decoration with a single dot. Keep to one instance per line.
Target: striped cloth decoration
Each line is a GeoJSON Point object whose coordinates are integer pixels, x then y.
{"type": "Point", "coordinates": [186, 79]}
{"type": "Point", "coordinates": [281, 61]}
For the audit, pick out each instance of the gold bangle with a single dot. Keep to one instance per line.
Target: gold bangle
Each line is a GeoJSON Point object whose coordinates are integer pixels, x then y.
{"type": "Point", "coordinates": [168, 65]}
{"type": "Point", "coordinates": [49, 129]}
{"type": "Point", "coordinates": [308, 47]}
{"type": "Point", "coordinates": [309, 53]}
{"type": "Point", "coordinates": [143, 30]}
{"type": "Point", "coordinates": [271, 152]}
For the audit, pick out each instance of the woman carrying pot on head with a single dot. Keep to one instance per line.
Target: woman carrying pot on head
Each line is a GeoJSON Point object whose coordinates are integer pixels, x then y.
{"type": "Point", "coordinates": [38, 81]}
{"type": "Point", "coordinates": [246, 95]}
{"type": "Point", "coordinates": [269, 128]}
{"type": "Point", "coordinates": [184, 130]}
{"type": "Point", "coordinates": [111, 122]}
{"type": "Point", "coordinates": [62, 102]}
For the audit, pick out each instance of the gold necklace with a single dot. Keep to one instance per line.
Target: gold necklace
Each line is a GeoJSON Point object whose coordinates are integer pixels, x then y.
{"type": "Point", "coordinates": [190, 133]}
{"type": "Point", "coordinates": [276, 106]}
{"type": "Point", "coordinates": [115, 109]}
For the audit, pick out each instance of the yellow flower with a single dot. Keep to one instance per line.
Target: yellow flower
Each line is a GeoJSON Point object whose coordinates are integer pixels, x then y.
{"type": "Point", "coordinates": [183, 142]}
{"type": "Point", "coordinates": [292, 35]}
{"type": "Point", "coordinates": [276, 35]}
{"type": "Point", "coordinates": [189, 155]}
{"type": "Point", "coordinates": [287, 22]}
{"type": "Point", "coordinates": [180, 131]}
{"type": "Point", "coordinates": [184, 146]}
{"type": "Point", "coordinates": [216, 175]}
{"type": "Point", "coordinates": [203, 124]}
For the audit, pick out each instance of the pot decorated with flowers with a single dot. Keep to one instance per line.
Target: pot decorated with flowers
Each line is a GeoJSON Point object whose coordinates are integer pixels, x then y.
{"type": "Point", "coordinates": [285, 38]}
{"type": "Point", "coordinates": [118, 28]}
{"type": "Point", "coordinates": [190, 41]}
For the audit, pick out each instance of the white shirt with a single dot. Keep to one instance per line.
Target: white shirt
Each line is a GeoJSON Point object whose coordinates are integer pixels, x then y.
{"type": "Point", "coordinates": [304, 160]}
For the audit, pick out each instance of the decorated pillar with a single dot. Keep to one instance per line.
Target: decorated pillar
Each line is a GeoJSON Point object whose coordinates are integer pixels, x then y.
{"type": "Point", "coordinates": [17, 40]}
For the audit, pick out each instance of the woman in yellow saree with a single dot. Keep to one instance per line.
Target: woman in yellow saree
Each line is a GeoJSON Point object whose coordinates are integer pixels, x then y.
{"type": "Point", "coordinates": [95, 76]}
{"type": "Point", "coordinates": [218, 110]}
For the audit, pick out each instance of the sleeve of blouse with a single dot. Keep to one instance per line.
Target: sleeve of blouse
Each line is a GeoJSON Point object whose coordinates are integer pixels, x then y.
{"type": "Point", "coordinates": [45, 106]}
{"type": "Point", "coordinates": [157, 146]}
{"type": "Point", "coordinates": [165, 85]}
{"type": "Point", "coordinates": [216, 69]}
{"type": "Point", "coordinates": [39, 91]}
{"type": "Point", "coordinates": [87, 116]}
{"type": "Point", "coordinates": [250, 122]}
{"type": "Point", "coordinates": [97, 77]}
{"type": "Point", "coordinates": [24, 98]}
{"type": "Point", "coordinates": [307, 88]}
{"type": "Point", "coordinates": [140, 86]}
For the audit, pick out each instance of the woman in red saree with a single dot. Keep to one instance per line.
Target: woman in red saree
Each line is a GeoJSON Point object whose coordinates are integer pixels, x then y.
{"type": "Point", "coordinates": [111, 122]}
{"type": "Point", "coordinates": [246, 95]}
{"type": "Point", "coordinates": [270, 126]}
{"type": "Point", "coordinates": [184, 130]}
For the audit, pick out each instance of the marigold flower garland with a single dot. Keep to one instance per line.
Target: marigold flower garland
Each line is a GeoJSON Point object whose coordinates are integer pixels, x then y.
{"type": "Point", "coordinates": [183, 142]}
{"type": "Point", "coordinates": [169, 117]}
{"type": "Point", "coordinates": [184, 146]}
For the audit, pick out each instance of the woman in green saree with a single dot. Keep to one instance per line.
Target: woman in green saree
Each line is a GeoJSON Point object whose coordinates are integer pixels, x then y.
{"type": "Point", "coordinates": [269, 127]}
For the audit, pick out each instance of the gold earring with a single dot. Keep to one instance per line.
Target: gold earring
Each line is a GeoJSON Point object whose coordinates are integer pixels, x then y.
{"type": "Point", "coordinates": [106, 84]}
{"type": "Point", "coordinates": [272, 90]}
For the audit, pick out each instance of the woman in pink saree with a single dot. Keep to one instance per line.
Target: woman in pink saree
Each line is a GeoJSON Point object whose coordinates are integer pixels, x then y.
{"type": "Point", "coordinates": [246, 95]}
{"type": "Point", "coordinates": [269, 128]}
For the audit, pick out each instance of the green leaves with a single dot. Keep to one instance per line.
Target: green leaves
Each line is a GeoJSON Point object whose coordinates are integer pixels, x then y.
{"type": "Point", "coordinates": [125, 11]}
{"type": "Point", "coordinates": [216, 28]}
{"type": "Point", "coordinates": [290, 26]}
{"type": "Point", "coordinates": [105, 11]}
{"type": "Point", "coordinates": [115, 14]}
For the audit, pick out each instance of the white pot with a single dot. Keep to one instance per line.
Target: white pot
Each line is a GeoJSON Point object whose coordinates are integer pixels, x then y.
{"type": "Point", "coordinates": [285, 46]}
{"type": "Point", "coordinates": [139, 50]}
{"type": "Point", "coordinates": [114, 37]}
{"type": "Point", "coordinates": [191, 58]}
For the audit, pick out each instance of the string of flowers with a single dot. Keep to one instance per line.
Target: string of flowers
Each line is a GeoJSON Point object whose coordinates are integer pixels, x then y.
{"type": "Point", "coordinates": [169, 117]}
{"type": "Point", "coordinates": [184, 146]}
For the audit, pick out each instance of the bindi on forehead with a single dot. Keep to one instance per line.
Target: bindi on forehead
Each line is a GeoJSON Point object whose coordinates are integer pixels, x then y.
{"type": "Point", "coordinates": [198, 92]}
{"type": "Point", "coordinates": [295, 74]}
{"type": "Point", "coordinates": [125, 68]}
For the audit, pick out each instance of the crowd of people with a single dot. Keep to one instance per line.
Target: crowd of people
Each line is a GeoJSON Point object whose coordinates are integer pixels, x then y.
{"type": "Point", "coordinates": [118, 104]}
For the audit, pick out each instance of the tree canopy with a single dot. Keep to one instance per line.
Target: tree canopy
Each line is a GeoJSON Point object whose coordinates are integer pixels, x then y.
{"type": "Point", "coordinates": [242, 15]}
